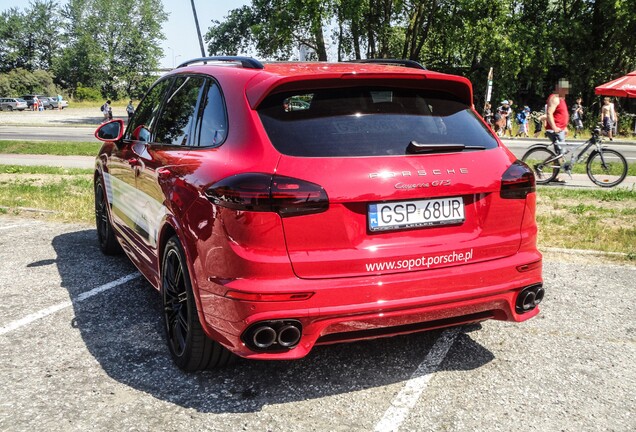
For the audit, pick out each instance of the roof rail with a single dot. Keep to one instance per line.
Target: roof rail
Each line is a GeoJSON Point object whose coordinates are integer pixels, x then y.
{"type": "Point", "coordinates": [246, 62]}
{"type": "Point", "coordinates": [395, 62]}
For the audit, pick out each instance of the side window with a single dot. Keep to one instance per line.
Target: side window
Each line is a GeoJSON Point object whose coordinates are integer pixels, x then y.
{"type": "Point", "coordinates": [145, 118]}
{"type": "Point", "coordinates": [212, 125]}
{"type": "Point", "coordinates": [178, 115]}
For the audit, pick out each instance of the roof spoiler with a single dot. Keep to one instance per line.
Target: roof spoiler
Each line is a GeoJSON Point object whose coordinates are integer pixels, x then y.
{"type": "Point", "coordinates": [394, 62]}
{"type": "Point", "coordinates": [246, 62]}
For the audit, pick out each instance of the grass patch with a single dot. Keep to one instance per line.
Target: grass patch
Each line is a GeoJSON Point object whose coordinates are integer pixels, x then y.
{"type": "Point", "coordinates": [98, 104]}
{"type": "Point", "coordinates": [56, 148]}
{"type": "Point", "coordinates": [22, 169]}
{"type": "Point", "coordinates": [581, 168]}
{"type": "Point", "coordinates": [62, 197]}
{"type": "Point", "coordinates": [595, 219]}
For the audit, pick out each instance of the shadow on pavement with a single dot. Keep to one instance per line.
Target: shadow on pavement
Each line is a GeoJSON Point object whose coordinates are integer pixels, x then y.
{"type": "Point", "coordinates": [123, 330]}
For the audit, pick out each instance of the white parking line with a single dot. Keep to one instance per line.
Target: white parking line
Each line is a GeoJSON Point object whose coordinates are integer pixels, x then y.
{"type": "Point", "coordinates": [52, 309]}
{"type": "Point", "coordinates": [407, 398]}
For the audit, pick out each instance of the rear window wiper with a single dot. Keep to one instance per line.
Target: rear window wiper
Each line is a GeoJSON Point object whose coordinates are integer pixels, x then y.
{"type": "Point", "coordinates": [414, 147]}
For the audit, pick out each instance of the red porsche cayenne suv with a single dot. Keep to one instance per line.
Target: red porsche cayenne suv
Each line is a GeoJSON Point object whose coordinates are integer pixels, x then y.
{"type": "Point", "coordinates": [279, 206]}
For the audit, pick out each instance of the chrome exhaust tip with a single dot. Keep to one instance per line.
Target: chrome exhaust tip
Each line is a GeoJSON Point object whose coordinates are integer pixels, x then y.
{"type": "Point", "coordinates": [529, 298]}
{"type": "Point", "coordinates": [275, 335]}
{"type": "Point", "coordinates": [263, 337]}
{"type": "Point", "coordinates": [288, 336]}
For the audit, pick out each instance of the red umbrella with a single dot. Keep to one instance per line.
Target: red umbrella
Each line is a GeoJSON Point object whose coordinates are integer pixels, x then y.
{"type": "Point", "coordinates": [621, 87]}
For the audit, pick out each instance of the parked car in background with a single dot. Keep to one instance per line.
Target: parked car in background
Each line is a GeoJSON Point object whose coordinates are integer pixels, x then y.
{"type": "Point", "coordinates": [43, 99]}
{"type": "Point", "coordinates": [280, 206]}
{"type": "Point", "coordinates": [50, 102]}
{"type": "Point", "coordinates": [53, 102]}
{"type": "Point", "coordinates": [11, 104]}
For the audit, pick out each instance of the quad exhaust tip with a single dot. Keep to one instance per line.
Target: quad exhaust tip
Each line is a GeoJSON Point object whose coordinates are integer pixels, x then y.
{"type": "Point", "coordinates": [529, 298]}
{"type": "Point", "coordinates": [273, 335]}
{"type": "Point", "coordinates": [264, 337]}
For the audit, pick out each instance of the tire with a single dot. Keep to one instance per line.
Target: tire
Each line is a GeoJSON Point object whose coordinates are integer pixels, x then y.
{"type": "Point", "coordinates": [189, 346]}
{"type": "Point", "coordinates": [608, 169]}
{"type": "Point", "coordinates": [535, 158]}
{"type": "Point", "coordinates": [105, 236]}
{"type": "Point", "coordinates": [9, 108]}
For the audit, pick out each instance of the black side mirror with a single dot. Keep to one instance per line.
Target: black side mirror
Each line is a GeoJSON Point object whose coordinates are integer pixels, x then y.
{"type": "Point", "coordinates": [111, 131]}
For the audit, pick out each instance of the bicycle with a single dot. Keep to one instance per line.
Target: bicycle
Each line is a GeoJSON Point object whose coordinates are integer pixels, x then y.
{"type": "Point", "coordinates": [605, 167]}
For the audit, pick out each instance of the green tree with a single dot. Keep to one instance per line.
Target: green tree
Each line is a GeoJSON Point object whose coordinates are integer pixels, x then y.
{"type": "Point", "coordinates": [529, 43]}
{"type": "Point", "coordinates": [21, 81]}
{"type": "Point", "coordinates": [274, 28]}
{"type": "Point", "coordinates": [113, 46]}
{"type": "Point", "coordinates": [12, 23]}
{"type": "Point", "coordinates": [30, 38]}
{"type": "Point", "coordinates": [234, 35]}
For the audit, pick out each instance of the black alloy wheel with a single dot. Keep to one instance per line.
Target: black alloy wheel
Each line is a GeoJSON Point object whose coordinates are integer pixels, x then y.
{"type": "Point", "coordinates": [105, 236]}
{"type": "Point", "coordinates": [189, 346]}
{"type": "Point", "coordinates": [175, 301]}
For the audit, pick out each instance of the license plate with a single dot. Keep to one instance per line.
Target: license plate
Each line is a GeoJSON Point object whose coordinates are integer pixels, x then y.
{"type": "Point", "coordinates": [413, 214]}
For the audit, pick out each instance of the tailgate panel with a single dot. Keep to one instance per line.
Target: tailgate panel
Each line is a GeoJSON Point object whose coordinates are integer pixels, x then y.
{"type": "Point", "coordinates": [338, 242]}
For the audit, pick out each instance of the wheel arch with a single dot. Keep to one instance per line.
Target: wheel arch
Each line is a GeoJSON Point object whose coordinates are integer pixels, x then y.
{"type": "Point", "coordinates": [171, 229]}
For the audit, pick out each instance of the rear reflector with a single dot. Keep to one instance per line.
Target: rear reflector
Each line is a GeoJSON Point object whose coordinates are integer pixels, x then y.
{"type": "Point", "coordinates": [517, 182]}
{"type": "Point", "coordinates": [269, 193]}
{"type": "Point", "coordinates": [271, 297]}
{"type": "Point", "coordinates": [528, 267]}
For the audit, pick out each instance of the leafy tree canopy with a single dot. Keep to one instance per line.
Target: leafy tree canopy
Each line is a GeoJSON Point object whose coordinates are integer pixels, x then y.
{"type": "Point", "coordinates": [530, 44]}
{"type": "Point", "coordinates": [112, 46]}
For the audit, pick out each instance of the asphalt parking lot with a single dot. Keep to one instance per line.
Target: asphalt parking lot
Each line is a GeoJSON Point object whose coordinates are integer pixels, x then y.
{"type": "Point", "coordinates": [82, 349]}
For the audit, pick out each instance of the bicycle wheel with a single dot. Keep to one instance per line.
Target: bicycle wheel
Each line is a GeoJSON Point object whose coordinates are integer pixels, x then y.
{"type": "Point", "coordinates": [541, 160]}
{"type": "Point", "coordinates": [606, 168]}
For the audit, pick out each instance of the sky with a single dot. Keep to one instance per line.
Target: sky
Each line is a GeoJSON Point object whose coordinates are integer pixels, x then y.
{"type": "Point", "coordinates": [181, 42]}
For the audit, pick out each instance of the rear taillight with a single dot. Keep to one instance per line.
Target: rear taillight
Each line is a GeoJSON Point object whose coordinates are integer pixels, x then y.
{"type": "Point", "coordinates": [517, 182]}
{"type": "Point", "coordinates": [269, 193]}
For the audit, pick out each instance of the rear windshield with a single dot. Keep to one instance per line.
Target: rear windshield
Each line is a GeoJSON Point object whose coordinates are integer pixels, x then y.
{"type": "Point", "coordinates": [368, 121]}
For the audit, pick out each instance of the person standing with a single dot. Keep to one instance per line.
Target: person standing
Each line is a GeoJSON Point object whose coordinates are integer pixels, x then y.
{"type": "Point", "coordinates": [557, 117]}
{"type": "Point", "coordinates": [608, 117]}
{"type": "Point", "coordinates": [130, 109]}
{"type": "Point", "coordinates": [577, 117]}
{"type": "Point", "coordinates": [538, 117]}
{"type": "Point", "coordinates": [488, 113]}
{"type": "Point", "coordinates": [522, 120]}
{"type": "Point", "coordinates": [502, 118]}
{"type": "Point", "coordinates": [509, 119]}
{"type": "Point", "coordinates": [59, 102]}
{"type": "Point", "coordinates": [106, 110]}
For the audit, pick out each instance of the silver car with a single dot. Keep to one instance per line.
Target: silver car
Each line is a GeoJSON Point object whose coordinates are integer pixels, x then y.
{"type": "Point", "coordinates": [53, 102]}
{"type": "Point", "coordinates": [10, 104]}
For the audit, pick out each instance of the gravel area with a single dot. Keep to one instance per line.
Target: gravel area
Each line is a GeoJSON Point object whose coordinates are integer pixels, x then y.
{"type": "Point", "coordinates": [100, 362]}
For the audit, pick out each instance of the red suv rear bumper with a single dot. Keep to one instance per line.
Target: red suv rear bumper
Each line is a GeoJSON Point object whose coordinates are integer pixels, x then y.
{"type": "Point", "coordinates": [348, 309]}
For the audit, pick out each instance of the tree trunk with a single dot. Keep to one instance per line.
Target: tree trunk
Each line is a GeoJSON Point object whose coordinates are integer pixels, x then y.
{"type": "Point", "coordinates": [421, 39]}
{"type": "Point", "coordinates": [355, 34]}
{"type": "Point", "coordinates": [321, 50]}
